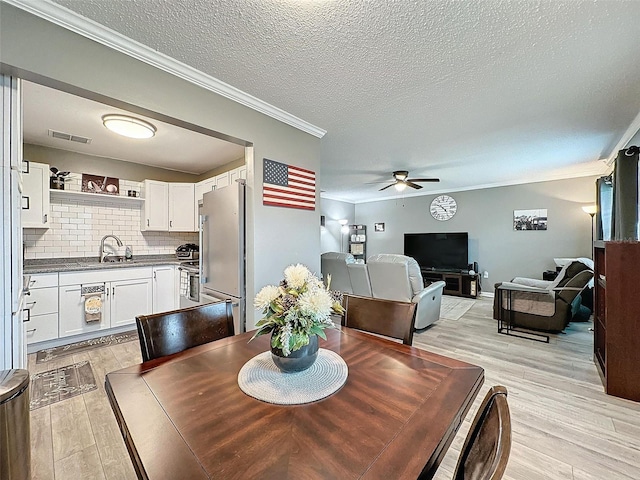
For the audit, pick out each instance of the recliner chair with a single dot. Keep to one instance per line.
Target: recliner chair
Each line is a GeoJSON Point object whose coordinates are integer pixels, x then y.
{"type": "Point", "coordinates": [335, 264]}
{"type": "Point", "coordinates": [398, 277]}
{"type": "Point", "coordinates": [543, 305]}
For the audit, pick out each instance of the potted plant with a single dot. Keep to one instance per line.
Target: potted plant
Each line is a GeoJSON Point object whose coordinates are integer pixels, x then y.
{"type": "Point", "coordinates": [57, 179]}
{"type": "Point", "coordinates": [296, 312]}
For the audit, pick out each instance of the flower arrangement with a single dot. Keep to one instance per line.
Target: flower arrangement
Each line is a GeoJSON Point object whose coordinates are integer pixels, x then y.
{"type": "Point", "coordinates": [300, 306]}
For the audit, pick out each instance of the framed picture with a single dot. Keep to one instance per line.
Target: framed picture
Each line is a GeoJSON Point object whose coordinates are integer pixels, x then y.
{"type": "Point", "coordinates": [357, 249]}
{"type": "Point", "coordinates": [100, 184]}
{"type": "Point", "coordinates": [378, 227]}
{"type": "Point", "coordinates": [534, 219]}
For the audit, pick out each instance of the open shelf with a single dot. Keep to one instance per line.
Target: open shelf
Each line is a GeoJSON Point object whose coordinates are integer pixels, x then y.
{"type": "Point", "coordinates": [95, 197]}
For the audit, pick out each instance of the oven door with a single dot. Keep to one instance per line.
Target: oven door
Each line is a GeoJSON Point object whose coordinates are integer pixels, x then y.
{"type": "Point", "coordinates": [193, 286]}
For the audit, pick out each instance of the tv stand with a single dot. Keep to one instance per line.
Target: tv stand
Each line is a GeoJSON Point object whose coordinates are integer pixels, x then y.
{"type": "Point", "coordinates": [458, 283]}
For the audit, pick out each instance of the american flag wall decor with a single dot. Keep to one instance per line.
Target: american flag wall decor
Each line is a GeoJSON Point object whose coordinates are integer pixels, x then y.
{"type": "Point", "coordinates": [287, 186]}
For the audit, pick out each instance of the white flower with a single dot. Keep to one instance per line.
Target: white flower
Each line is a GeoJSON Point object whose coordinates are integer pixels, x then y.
{"type": "Point", "coordinates": [285, 335]}
{"type": "Point", "coordinates": [265, 296]}
{"type": "Point", "coordinates": [316, 303]}
{"type": "Point", "coordinates": [296, 275]}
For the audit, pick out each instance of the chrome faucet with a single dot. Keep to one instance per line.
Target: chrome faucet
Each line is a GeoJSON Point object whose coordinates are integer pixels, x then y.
{"type": "Point", "coordinates": [103, 254]}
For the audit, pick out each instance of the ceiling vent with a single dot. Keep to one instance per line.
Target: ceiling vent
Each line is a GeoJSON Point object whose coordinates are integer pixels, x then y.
{"type": "Point", "coordinates": [69, 137]}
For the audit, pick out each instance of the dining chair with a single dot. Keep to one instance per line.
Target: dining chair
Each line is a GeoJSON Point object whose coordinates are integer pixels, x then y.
{"type": "Point", "coordinates": [486, 449]}
{"type": "Point", "coordinates": [165, 333]}
{"type": "Point", "coordinates": [384, 317]}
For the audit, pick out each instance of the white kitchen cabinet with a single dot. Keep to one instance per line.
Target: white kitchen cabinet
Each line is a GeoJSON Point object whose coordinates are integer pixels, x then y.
{"type": "Point", "coordinates": [155, 215]}
{"type": "Point", "coordinates": [181, 207]}
{"type": "Point", "coordinates": [168, 207]}
{"type": "Point", "coordinates": [129, 298]}
{"type": "Point", "coordinates": [40, 313]}
{"type": "Point", "coordinates": [127, 294]}
{"type": "Point", "coordinates": [35, 195]}
{"type": "Point", "coordinates": [71, 311]}
{"type": "Point", "coordinates": [238, 173]}
{"type": "Point", "coordinates": [222, 180]}
{"type": "Point", "coordinates": [165, 289]}
{"type": "Point", "coordinates": [200, 189]}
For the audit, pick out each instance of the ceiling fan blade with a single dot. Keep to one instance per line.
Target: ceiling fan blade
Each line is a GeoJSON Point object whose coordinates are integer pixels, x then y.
{"type": "Point", "coordinates": [388, 186]}
{"type": "Point", "coordinates": [409, 183]}
{"type": "Point", "coordinates": [423, 180]}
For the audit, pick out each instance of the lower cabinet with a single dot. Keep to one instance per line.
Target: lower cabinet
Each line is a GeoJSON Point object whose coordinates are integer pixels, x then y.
{"type": "Point", "coordinates": [165, 290]}
{"type": "Point", "coordinates": [55, 306]}
{"type": "Point", "coordinates": [40, 313]}
{"type": "Point", "coordinates": [122, 300]}
{"type": "Point", "coordinates": [71, 311]}
{"type": "Point", "coordinates": [129, 299]}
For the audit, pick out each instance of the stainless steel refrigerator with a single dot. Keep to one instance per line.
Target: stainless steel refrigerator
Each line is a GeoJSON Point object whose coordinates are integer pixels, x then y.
{"type": "Point", "coordinates": [222, 249]}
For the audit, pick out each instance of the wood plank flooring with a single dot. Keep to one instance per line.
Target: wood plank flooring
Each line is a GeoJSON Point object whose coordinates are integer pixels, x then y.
{"type": "Point", "coordinates": [564, 426]}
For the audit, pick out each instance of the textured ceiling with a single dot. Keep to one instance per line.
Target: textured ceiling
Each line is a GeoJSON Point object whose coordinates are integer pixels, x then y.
{"type": "Point", "coordinates": [476, 93]}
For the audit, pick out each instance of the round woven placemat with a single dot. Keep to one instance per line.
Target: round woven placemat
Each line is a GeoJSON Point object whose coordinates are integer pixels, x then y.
{"type": "Point", "coordinates": [260, 378]}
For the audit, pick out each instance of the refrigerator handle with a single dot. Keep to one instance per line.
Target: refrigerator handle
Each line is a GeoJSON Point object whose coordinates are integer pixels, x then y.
{"type": "Point", "coordinates": [203, 277]}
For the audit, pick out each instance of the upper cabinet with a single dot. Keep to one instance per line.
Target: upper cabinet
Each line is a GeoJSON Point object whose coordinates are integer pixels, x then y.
{"type": "Point", "coordinates": [168, 207]}
{"type": "Point", "coordinates": [35, 195]}
{"type": "Point", "coordinates": [215, 183]}
{"type": "Point", "coordinates": [181, 207]}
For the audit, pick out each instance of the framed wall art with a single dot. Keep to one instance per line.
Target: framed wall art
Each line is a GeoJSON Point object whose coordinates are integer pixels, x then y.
{"type": "Point", "coordinates": [533, 219]}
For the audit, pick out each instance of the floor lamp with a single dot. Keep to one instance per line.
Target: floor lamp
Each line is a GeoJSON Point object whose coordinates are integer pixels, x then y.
{"type": "Point", "coordinates": [591, 210]}
{"type": "Point", "coordinates": [344, 229]}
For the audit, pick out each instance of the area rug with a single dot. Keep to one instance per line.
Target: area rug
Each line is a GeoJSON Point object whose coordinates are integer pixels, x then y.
{"type": "Point", "coordinates": [452, 308]}
{"type": "Point", "coordinates": [61, 383]}
{"type": "Point", "coordinates": [51, 353]}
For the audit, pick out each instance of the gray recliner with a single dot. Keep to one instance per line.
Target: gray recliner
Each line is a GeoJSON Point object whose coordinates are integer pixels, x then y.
{"type": "Point", "coordinates": [360, 283]}
{"type": "Point", "coordinates": [398, 277]}
{"type": "Point", "coordinates": [335, 264]}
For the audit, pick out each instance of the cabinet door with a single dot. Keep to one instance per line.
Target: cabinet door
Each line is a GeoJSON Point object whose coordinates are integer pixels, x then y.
{"type": "Point", "coordinates": [181, 207]}
{"type": "Point", "coordinates": [71, 312]}
{"type": "Point", "coordinates": [222, 180]}
{"type": "Point", "coordinates": [237, 173]}
{"type": "Point", "coordinates": [199, 190]}
{"type": "Point", "coordinates": [35, 195]}
{"type": "Point", "coordinates": [156, 206]}
{"type": "Point", "coordinates": [130, 298]}
{"type": "Point", "coordinates": [165, 290]}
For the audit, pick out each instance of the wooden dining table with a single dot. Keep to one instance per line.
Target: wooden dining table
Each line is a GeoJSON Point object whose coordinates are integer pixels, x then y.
{"type": "Point", "coordinates": [184, 417]}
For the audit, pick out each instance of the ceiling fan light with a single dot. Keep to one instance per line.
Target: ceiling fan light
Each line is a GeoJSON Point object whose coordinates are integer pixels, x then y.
{"type": "Point", "coordinates": [129, 126]}
{"type": "Point", "coordinates": [400, 186]}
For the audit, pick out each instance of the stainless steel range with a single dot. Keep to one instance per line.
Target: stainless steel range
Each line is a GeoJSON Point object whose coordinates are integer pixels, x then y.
{"type": "Point", "coordinates": [189, 284]}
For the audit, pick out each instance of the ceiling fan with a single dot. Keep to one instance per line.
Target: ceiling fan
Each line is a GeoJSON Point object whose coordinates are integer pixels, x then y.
{"type": "Point", "coordinates": [402, 181]}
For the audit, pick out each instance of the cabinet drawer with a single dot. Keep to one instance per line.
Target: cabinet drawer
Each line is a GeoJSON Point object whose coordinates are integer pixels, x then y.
{"type": "Point", "coordinates": [42, 301]}
{"type": "Point", "coordinates": [42, 280]}
{"type": "Point", "coordinates": [41, 328]}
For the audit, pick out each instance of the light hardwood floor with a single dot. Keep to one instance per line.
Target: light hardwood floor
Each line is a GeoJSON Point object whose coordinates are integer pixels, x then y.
{"type": "Point", "coordinates": [564, 426]}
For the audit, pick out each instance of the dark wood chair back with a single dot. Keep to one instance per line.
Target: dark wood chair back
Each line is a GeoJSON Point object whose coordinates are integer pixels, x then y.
{"type": "Point", "coordinates": [384, 317]}
{"type": "Point", "coordinates": [485, 452]}
{"type": "Point", "coordinates": [171, 332]}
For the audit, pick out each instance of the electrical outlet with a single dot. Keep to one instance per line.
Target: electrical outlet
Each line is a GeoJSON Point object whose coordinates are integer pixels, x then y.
{"type": "Point", "coordinates": [485, 274]}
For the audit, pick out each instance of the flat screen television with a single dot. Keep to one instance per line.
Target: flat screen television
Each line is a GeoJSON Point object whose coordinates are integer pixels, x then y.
{"type": "Point", "coordinates": [439, 251]}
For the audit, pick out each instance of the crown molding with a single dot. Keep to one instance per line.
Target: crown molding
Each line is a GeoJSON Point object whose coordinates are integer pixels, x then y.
{"type": "Point", "coordinates": [71, 21]}
{"type": "Point", "coordinates": [624, 140]}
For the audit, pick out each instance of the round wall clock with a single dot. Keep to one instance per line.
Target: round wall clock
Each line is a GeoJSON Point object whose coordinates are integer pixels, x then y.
{"type": "Point", "coordinates": [443, 207]}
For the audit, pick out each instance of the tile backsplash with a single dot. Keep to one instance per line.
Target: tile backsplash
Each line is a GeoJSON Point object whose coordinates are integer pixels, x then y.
{"type": "Point", "coordinates": [76, 228]}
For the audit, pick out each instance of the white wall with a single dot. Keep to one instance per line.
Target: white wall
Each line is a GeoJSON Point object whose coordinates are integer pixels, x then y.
{"type": "Point", "coordinates": [487, 215]}
{"type": "Point", "coordinates": [276, 237]}
{"type": "Point", "coordinates": [331, 238]}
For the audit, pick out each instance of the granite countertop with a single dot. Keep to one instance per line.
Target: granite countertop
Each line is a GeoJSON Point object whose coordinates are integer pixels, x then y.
{"type": "Point", "coordinates": [52, 265]}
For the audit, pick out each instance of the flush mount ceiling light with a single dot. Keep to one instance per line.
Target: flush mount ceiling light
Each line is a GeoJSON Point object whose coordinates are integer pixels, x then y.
{"type": "Point", "coordinates": [129, 126]}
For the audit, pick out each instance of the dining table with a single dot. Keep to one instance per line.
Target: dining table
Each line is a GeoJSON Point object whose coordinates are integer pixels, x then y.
{"type": "Point", "coordinates": [184, 416]}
